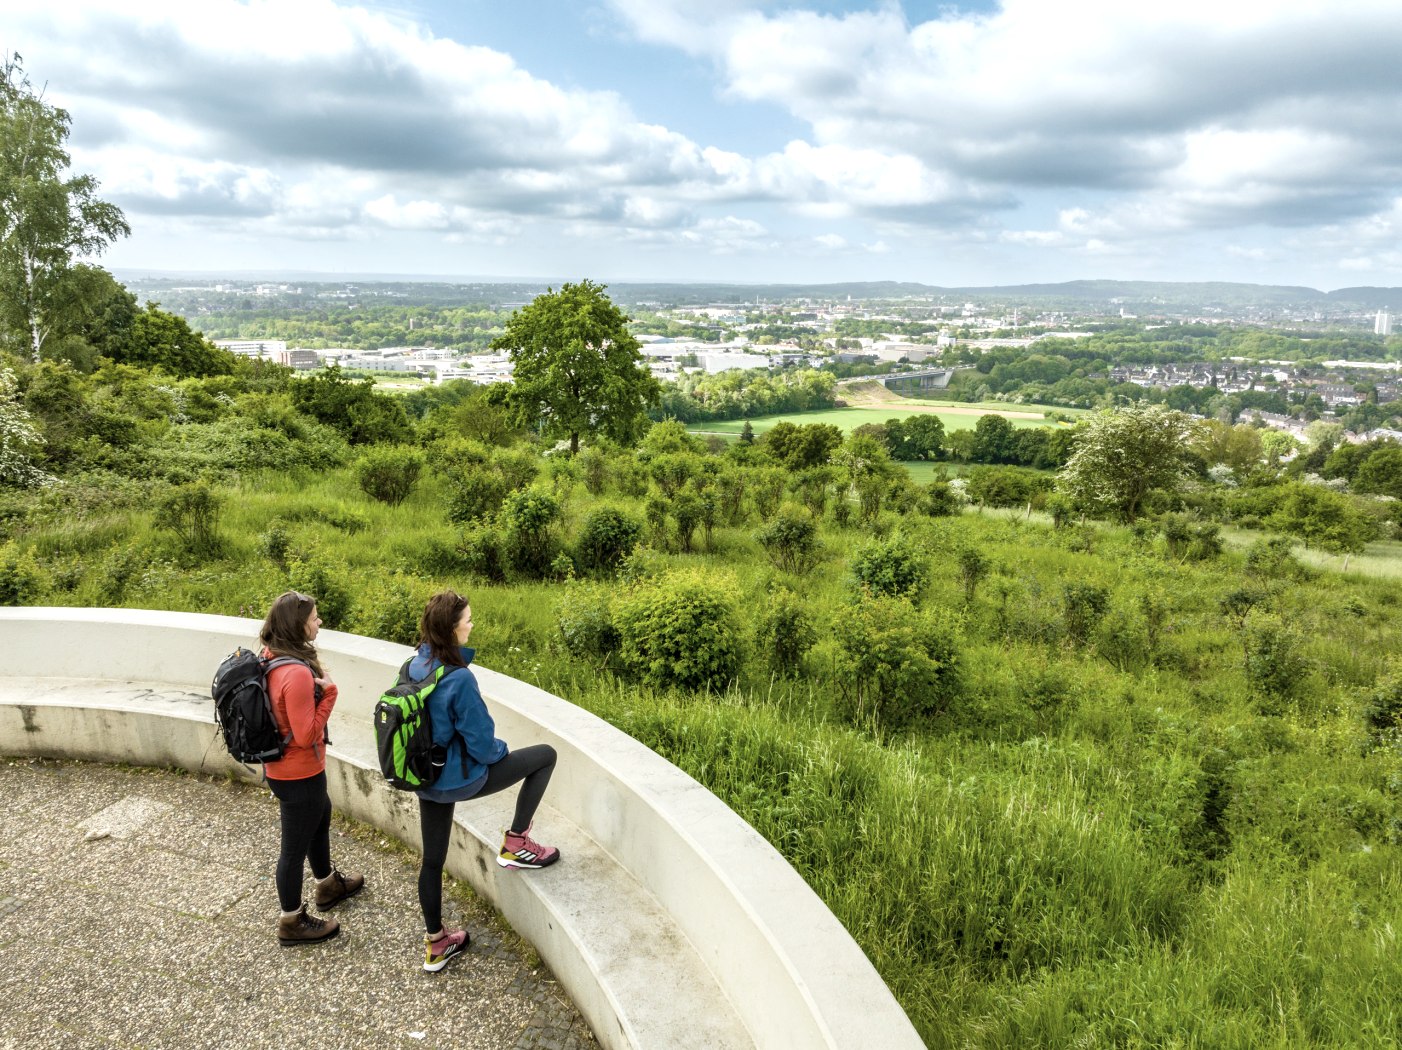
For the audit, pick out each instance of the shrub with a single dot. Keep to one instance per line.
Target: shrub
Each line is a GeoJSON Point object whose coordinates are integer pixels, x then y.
{"type": "Point", "coordinates": [584, 618]}
{"type": "Point", "coordinates": [686, 511]}
{"type": "Point", "coordinates": [895, 664]}
{"type": "Point", "coordinates": [326, 581]}
{"type": "Point", "coordinates": [605, 539]}
{"type": "Point", "coordinates": [680, 631]}
{"type": "Point", "coordinates": [474, 496]}
{"type": "Point", "coordinates": [21, 579]}
{"type": "Point", "coordinates": [790, 540]}
{"type": "Point", "coordinates": [766, 490]}
{"type": "Point", "coordinates": [192, 513]}
{"type": "Point", "coordinates": [1190, 540]}
{"type": "Point", "coordinates": [518, 467]}
{"type": "Point", "coordinates": [1083, 607]}
{"type": "Point", "coordinates": [118, 569]}
{"type": "Point", "coordinates": [1061, 508]}
{"type": "Point", "coordinates": [388, 606]}
{"type": "Point", "coordinates": [1275, 664]}
{"type": "Point", "coordinates": [785, 631]}
{"type": "Point", "coordinates": [940, 500]}
{"type": "Point", "coordinates": [482, 553]}
{"type": "Point", "coordinates": [276, 543]}
{"type": "Point", "coordinates": [593, 467]}
{"type": "Point", "coordinates": [1383, 707]}
{"type": "Point", "coordinates": [1006, 486]}
{"type": "Point", "coordinates": [891, 568]}
{"type": "Point", "coordinates": [1273, 557]}
{"type": "Point", "coordinates": [630, 476]}
{"type": "Point", "coordinates": [530, 547]}
{"type": "Point", "coordinates": [388, 473]}
{"type": "Point", "coordinates": [973, 567]}
{"type": "Point", "coordinates": [732, 485]}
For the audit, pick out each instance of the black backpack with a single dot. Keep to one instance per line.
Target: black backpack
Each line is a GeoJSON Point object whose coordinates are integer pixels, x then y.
{"type": "Point", "coordinates": [244, 710]}
{"type": "Point", "coordinates": [404, 733]}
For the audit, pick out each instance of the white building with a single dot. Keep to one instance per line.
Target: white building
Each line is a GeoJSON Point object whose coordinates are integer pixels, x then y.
{"type": "Point", "coordinates": [269, 348]}
{"type": "Point", "coordinates": [1383, 324]}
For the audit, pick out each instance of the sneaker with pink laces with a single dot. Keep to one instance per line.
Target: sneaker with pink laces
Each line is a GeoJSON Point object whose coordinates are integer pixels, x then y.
{"type": "Point", "coordinates": [438, 950]}
{"type": "Point", "coordinates": [519, 850]}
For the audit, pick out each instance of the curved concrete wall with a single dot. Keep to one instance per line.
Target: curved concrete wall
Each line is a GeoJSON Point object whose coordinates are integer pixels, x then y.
{"type": "Point", "coordinates": [789, 973]}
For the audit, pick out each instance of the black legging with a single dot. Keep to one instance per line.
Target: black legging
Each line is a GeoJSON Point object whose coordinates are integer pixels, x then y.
{"type": "Point", "coordinates": [532, 764]}
{"type": "Point", "coordinates": [305, 809]}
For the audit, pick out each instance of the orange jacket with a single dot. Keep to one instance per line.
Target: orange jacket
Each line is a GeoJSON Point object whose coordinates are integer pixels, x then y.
{"type": "Point", "coordinates": [299, 714]}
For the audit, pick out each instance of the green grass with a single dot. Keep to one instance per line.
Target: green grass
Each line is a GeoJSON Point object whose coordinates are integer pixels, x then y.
{"type": "Point", "coordinates": [1118, 841]}
{"type": "Point", "coordinates": [848, 419]}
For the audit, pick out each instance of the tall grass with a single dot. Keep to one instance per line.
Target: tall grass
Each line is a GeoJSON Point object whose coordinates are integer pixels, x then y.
{"type": "Point", "coordinates": [1108, 838]}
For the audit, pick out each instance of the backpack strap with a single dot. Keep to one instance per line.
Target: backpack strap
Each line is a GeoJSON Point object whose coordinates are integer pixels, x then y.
{"type": "Point", "coordinates": [282, 661]}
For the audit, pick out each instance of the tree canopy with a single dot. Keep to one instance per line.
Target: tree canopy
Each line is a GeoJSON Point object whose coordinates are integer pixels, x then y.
{"type": "Point", "coordinates": [1123, 455]}
{"type": "Point", "coordinates": [577, 368]}
{"type": "Point", "coordinates": [48, 218]}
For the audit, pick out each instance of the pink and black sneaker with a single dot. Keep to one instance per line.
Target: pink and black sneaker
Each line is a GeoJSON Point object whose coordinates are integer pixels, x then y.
{"type": "Point", "coordinates": [521, 851]}
{"type": "Point", "coordinates": [438, 950]}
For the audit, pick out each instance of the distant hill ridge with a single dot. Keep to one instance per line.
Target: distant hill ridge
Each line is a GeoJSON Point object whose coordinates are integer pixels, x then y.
{"type": "Point", "coordinates": [1130, 293]}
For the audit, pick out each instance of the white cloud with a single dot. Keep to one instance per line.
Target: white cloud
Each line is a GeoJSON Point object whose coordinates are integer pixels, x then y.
{"type": "Point", "coordinates": [1087, 126]}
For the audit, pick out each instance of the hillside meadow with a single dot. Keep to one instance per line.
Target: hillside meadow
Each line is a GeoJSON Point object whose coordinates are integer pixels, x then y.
{"type": "Point", "coordinates": [848, 419]}
{"type": "Point", "coordinates": [1065, 787]}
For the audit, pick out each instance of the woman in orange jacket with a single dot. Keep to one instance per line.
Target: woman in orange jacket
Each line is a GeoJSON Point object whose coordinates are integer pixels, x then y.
{"type": "Point", "coordinates": [303, 697]}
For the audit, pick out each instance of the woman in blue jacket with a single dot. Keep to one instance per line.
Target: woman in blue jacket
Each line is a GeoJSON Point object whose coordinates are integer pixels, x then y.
{"type": "Point", "coordinates": [475, 763]}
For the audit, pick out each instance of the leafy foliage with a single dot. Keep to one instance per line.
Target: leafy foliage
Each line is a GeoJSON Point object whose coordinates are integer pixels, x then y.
{"type": "Point", "coordinates": [1122, 456]}
{"type": "Point", "coordinates": [577, 368]}
{"type": "Point", "coordinates": [389, 473]}
{"type": "Point", "coordinates": [19, 439]}
{"type": "Point", "coordinates": [607, 536]}
{"type": "Point", "coordinates": [790, 540]}
{"type": "Point", "coordinates": [680, 631]}
{"type": "Point", "coordinates": [895, 567]}
{"type": "Point", "coordinates": [896, 664]}
{"type": "Point", "coordinates": [192, 512]}
{"type": "Point", "coordinates": [48, 218]}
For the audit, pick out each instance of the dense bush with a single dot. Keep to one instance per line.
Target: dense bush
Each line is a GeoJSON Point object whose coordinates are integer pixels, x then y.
{"type": "Point", "coordinates": [389, 607]}
{"type": "Point", "coordinates": [389, 473]}
{"type": "Point", "coordinates": [785, 631]}
{"type": "Point", "coordinates": [192, 513]}
{"type": "Point", "coordinates": [607, 536]}
{"type": "Point", "coordinates": [895, 664]}
{"type": "Point", "coordinates": [474, 496]}
{"type": "Point", "coordinates": [894, 568]}
{"type": "Point", "coordinates": [530, 544]}
{"type": "Point", "coordinates": [1275, 661]}
{"type": "Point", "coordinates": [328, 581]}
{"type": "Point", "coordinates": [680, 631]}
{"type": "Point", "coordinates": [790, 540]}
{"type": "Point", "coordinates": [483, 553]}
{"type": "Point", "coordinates": [584, 618]}
{"type": "Point", "coordinates": [21, 579]}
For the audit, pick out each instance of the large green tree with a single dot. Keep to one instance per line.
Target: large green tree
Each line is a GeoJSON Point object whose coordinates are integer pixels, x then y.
{"type": "Point", "coordinates": [1123, 455]}
{"type": "Point", "coordinates": [48, 217]}
{"type": "Point", "coordinates": [577, 368]}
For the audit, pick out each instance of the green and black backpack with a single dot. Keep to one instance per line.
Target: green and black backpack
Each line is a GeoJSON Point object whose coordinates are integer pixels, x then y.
{"type": "Point", "coordinates": [404, 734]}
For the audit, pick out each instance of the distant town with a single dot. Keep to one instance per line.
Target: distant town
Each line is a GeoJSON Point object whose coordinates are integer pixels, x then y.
{"type": "Point", "coordinates": [891, 330]}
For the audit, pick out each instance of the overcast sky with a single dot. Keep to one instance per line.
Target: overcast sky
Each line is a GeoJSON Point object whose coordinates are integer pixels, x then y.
{"type": "Point", "coordinates": [979, 143]}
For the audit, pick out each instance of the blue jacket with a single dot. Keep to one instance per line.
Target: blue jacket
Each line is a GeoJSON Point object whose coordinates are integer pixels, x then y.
{"type": "Point", "coordinates": [461, 724]}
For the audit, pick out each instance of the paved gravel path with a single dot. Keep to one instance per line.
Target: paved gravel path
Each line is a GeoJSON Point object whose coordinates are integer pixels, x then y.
{"type": "Point", "coordinates": [137, 910]}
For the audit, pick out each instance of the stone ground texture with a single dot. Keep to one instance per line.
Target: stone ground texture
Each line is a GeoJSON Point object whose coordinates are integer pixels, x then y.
{"type": "Point", "coordinates": [137, 909]}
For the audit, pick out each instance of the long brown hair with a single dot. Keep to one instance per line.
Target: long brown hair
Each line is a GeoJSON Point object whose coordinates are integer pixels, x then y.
{"type": "Point", "coordinates": [284, 630]}
{"type": "Point", "coordinates": [438, 627]}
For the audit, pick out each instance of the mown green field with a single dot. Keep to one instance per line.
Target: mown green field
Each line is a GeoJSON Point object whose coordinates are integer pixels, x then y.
{"type": "Point", "coordinates": [848, 419]}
